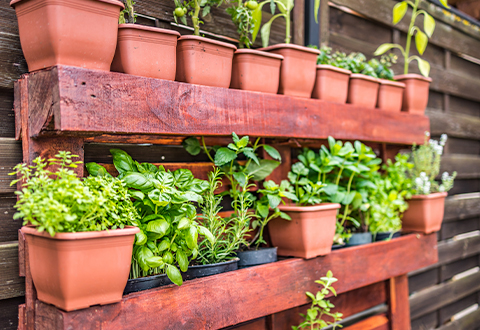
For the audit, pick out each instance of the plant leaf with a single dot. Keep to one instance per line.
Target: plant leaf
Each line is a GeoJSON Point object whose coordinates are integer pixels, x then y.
{"type": "Point", "coordinates": [399, 11]}
{"type": "Point", "coordinates": [192, 146]}
{"type": "Point", "coordinates": [140, 238]}
{"type": "Point", "coordinates": [205, 232]}
{"type": "Point", "coordinates": [192, 237]}
{"type": "Point", "coordinates": [182, 260]}
{"type": "Point", "coordinates": [137, 180]}
{"type": "Point", "coordinates": [154, 261]}
{"type": "Point", "coordinates": [224, 156]}
{"type": "Point", "coordinates": [272, 152]}
{"type": "Point", "coordinates": [158, 226]}
{"type": "Point", "coordinates": [174, 275]}
{"type": "Point", "coordinates": [251, 154]}
{"type": "Point", "coordinates": [274, 200]}
{"type": "Point", "coordinates": [421, 41]}
{"type": "Point", "coordinates": [122, 161]}
{"type": "Point", "coordinates": [428, 24]}
{"type": "Point", "coordinates": [316, 8]}
{"type": "Point", "coordinates": [383, 49]}
{"type": "Point", "coordinates": [424, 67]}
{"type": "Point", "coordinates": [260, 172]}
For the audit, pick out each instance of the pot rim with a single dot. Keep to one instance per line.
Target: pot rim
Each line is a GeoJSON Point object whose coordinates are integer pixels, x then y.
{"type": "Point", "coordinates": [259, 53]}
{"type": "Point", "coordinates": [333, 68]}
{"type": "Point", "coordinates": [207, 40]}
{"type": "Point", "coordinates": [430, 196]}
{"type": "Point", "coordinates": [364, 77]}
{"type": "Point", "coordinates": [128, 230]}
{"type": "Point", "coordinates": [412, 76]}
{"type": "Point", "coordinates": [260, 249]}
{"type": "Point", "coordinates": [310, 208]}
{"type": "Point", "coordinates": [112, 2]}
{"type": "Point", "coordinates": [147, 28]}
{"type": "Point", "coordinates": [236, 259]}
{"type": "Point", "coordinates": [392, 83]}
{"type": "Point", "coordinates": [291, 46]}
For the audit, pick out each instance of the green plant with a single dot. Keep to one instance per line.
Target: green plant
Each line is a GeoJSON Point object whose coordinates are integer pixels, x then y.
{"type": "Point", "coordinates": [306, 192]}
{"type": "Point", "coordinates": [192, 8]}
{"type": "Point", "coordinates": [382, 67]}
{"type": "Point", "coordinates": [321, 307]}
{"type": "Point", "coordinates": [168, 227]}
{"type": "Point", "coordinates": [242, 17]}
{"type": "Point", "coordinates": [61, 202]}
{"type": "Point", "coordinates": [129, 11]}
{"type": "Point", "coordinates": [337, 59]}
{"type": "Point", "coordinates": [285, 7]}
{"type": "Point", "coordinates": [421, 38]}
{"type": "Point", "coordinates": [357, 63]}
{"type": "Point", "coordinates": [426, 160]}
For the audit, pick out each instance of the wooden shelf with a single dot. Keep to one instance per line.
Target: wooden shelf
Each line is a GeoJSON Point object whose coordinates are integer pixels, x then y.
{"type": "Point", "coordinates": [231, 298]}
{"type": "Point", "coordinates": [81, 103]}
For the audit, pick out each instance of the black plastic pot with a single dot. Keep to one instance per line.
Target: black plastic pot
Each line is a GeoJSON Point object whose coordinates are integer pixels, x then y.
{"type": "Point", "coordinates": [338, 246]}
{"type": "Point", "coordinates": [261, 256]}
{"type": "Point", "coordinates": [145, 283]}
{"type": "Point", "coordinates": [385, 236]}
{"type": "Point", "coordinates": [198, 271]}
{"type": "Point", "coordinates": [359, 239]}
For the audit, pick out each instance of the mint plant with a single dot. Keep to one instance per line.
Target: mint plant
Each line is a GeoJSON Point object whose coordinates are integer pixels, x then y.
{"type": "Point", "coordinates": [59, 201]}
{"type": "Point", "coordinates": [321, 307]}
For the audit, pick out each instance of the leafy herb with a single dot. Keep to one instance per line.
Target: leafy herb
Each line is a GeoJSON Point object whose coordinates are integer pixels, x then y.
{"type": "Point", "coordinates": [382, 67]}
{"type": "Point", "coordinates": [242, 17]}
{"type": "Point", "coordinates": [129, 11]}
{"type": "Point", "coordinates": [285, 7]}
{"type": "Point", "coordinates": [192, 8]}
{"type": "Point", "coordinates": [337, 59]}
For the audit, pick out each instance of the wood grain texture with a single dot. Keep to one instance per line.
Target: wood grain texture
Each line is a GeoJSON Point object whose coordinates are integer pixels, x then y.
{"type": "Point", "coordinates": [8, 226]}
{"type": "Point", "coordinates": [377, 322]}
{"type": "Point", "coordinates": [457, 125]}
{"type": "Point", "coordinates": [249, 293]}
{"type": "Point", "coordinates": [399, 308]}
{"type": "Point", "coordinates": [466, 166]}
{"type": "Point", "coordinates": [11, 155]}
{"type": "Point", "coordinates": [468, 322]}
{"type": "Point", "coordinates": [11, 285]}
{"type": "Point", "coordinates": [9, 313]}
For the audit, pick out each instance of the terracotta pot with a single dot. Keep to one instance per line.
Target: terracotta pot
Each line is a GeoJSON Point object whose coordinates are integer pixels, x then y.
{"type": "Point", "coordinates": [415, 98]}
{"type": "Point", "coordinates": [363, 90]}
{"type": "Point", "coordinates": [204, 61]}
{"type": "Point", "coordinates": [80, 33]}
{"type": "Point", "coordinates": [297, 73]}
{"type": "Point", "coordinates": [424, 213]}
{"type": "Point", "coordinates": [331, 84]}
{"type": "Point", "coordinates": [390, 95]}
{"type": "Point", "coordinates": [254, 70]}
{"type": "Point", "coordinates": [146, 51]}
{"type": "Point", "coordinates": [78, 270]}
{"type": "Point", "coordinates": [309, 233]}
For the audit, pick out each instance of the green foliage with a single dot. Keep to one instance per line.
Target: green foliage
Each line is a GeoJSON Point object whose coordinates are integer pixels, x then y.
{"type": "Point", "coordinates": [193, 8]}
{"type": "Point", "coordinates": [382, 67]}
{"type": "Point", "coordinates": [61, 202]}
{"type": "Point", "coordinates": [306, 192]}
{"type": "Point", "coordinates": [421, 37]}
{"type": "Point", "coordinates": [337, 59]}
{"type": "Point", "coordinates": [321, 307]}
{"type": "Point", "coordinates": [168, 227]}
{"type": "Point", "coordinates": [285, 7]}
{"type": "Point", "coordinates": [242, 17]}
{"type": "Point", "coordinates": [129, 11]}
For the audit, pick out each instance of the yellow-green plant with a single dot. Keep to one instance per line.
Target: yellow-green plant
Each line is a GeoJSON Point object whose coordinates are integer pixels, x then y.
{"type": "Point", "coordinates": [285, 7]}
{"type": "Point", "coordinates": [421, 38]}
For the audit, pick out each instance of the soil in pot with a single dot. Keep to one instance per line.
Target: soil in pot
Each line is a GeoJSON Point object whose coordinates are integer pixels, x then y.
{"type": "Point", "coordinates": [385, 236]}
{"type": "Point", "coordinates": [363, 90]}
{"type": "Point", "coordinates": [249, 258]}
{"type": "Point", "coordinates": [297, 73]}
{"type": "Point", "coordinates": [146, 283]}
{"type": "Point", "coordinates": [68, 32]}
{"type": "Point", "coordinates": [257, 71]}
{"type": "Point", "coordinates": [359, 239]}
{"type": "Point", "coordinates": [310, 232]}
{"type": "Point", "coordinates": [331, 84]}
{"type": "Point", "coordinates": [204, 61]}
{"type": "Point", "coordinates": [390, 95]}
{"type": "Point", "coordinates": [198, 271]}
{"type": "Point", "coordinates": [78, 270]}
{"type": "Point", "coordinates": [146, 51]}
{"type": "Point", "coordinates": [415, 97]}
{"type": "Point", "coordinates": [424, 213]}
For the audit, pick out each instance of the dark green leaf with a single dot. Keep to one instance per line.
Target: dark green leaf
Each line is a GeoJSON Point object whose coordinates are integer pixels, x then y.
{"type": "Point", "coordinates": [137, 180]}
{"type": "Point", "coordinates": [122, 161]}
{"type": "Point", "coordinates": [224, 156]}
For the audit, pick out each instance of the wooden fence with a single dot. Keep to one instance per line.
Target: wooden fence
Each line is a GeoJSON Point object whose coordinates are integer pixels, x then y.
{"type": "Point", "coordinates": [439, 292]}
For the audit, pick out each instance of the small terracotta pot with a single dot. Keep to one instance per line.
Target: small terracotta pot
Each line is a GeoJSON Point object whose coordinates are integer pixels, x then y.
{"type": "Point", "coordinates": [297, 74]}
{"type": "Point", "coordinates": [204, 61]}
{"type": "Point", "coordinates": [415, 97]}
{"type": "Point", "coordinates": [363, 90]}
{"type": "Point", "coordinates": [78, 270]}
{"type": "Point", "coordinates": [424, 213]}
{"type": "Point", "coordinates": [309, 233]}
{"type": "Point", "coordinates": [331, 84]}
{"type": "Point", "coordinates": [146, 51]}
{"type": "Point", "coordinates": [254, 70]}
{"type": "Point", "coordinates": [390, 95]}
{"type": "Point", "coordinates": [81, 33]}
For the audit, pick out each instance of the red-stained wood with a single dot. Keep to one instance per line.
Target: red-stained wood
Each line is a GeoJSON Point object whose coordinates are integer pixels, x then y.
{"type": "Point", "coordinates": [377, 322]}
{"type": "Point", "coordinates": [247, 294]}
{"type": "Point", "coordinates": [21, 317]}
{"type": "Point", "coordinates": [399, 305]}
{"type": "Point", "coordinates": [95, 102]}
{"type": "Point", "coordinates": [260, 324]}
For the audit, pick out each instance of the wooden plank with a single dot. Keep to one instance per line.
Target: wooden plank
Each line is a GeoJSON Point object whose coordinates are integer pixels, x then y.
{"type": "Point", "coordinates": [260, 324]}
{"type": "Point", "coordinates": [456, 125]}
{"type": "Point", "coordinates": [11, 285]}
{"type": "Point", "coordinates": [11, 152]}
{"type": "Point", "coordinates": [468, 322]}
{"type": "Point", "coordinates": [423, 279]}
{"type": "Point", "coordinates": [428, 321]}
{"type": "Point", "coordinates": [377, 322]}
{"type": "Point", "coordinates": [463, 186]}
{"type": "Point", "coordinates": [399, 308]}
{"type": "Point", "coordinates": [7, 117]}
{"type": "Point", "coordinates": [248, 293]}
{"type": "Point", "coordinates": [183, 109]}
{"type": "Point", "coordinates": [449, 270]}
{"type": "Point", "coordinates": [462, 146]}
{"type": "Point", "coordinates": [446, 313]}
{"type": "Point", "coordinates": [9, 313]}
{"type": "Point", "coordinates": [462, 206]}
{"type": "Point", "coordinates": [467, 166]}
{"type": "Point", "coordinates": [451, 229]}
{"type": "Point", "coordinates": [8, 226]}
{"type": "Point", "coordinates": [464, 106]}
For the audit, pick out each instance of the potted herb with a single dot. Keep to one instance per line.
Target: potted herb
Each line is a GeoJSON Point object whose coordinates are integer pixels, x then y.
{"type": "Point", "coordinates": [314, 319]}
{"type": "Point", "coordinates": [426, 206]}
{"type": "Point", "coordinates": [78, 232]}
{"type": "Point", "coordinates": [331, 82]}
{"type": "Point", "coordinates": [390, 93]}
{"type": "Point", "coordinates": [144, 50]}
{"type": "Point", "coordinates": [201, 60]}
{"type": "Point", "coordinates": [252, 70]}
{"type": "Point", "coordinates": [364, 85]}
{"type": "Point", "coordinates": [67, 33]}
{"type": "Point", "coordinates": [415, 98]}
{"type": "Point", "coordinates": [297, 73]}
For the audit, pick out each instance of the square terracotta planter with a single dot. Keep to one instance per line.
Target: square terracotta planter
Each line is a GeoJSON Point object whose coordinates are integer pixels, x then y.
{"type": "Point", "coordinates": [257, 71]}
{"type": "Point", "coordinates": [146, 51]}
{"type": "Point", "coordinates": [78, 270]}
{"type": "Point", "coordinates": [424, 213]}
{"type": "Point", "coordinates": [363, 90]}
{"type": "Point", "coordinates": [204, 61]}
{"type": "Point", "coordinates": [310, 232]}
{"type": "Point", "coordinates": [331, 84]}
{"type": "Point", "coordinates": [297, 74]}
{"type": "Point", "coordinates": [390, 95]}
{"type": "Point", "coordinates": [81, 33]}
{"type": "Point", "coordinates": [415, 98]}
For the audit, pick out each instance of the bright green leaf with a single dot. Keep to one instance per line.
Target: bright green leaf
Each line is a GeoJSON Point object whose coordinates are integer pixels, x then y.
{"type": "Point", "coordinates": [192, 146]}
{"type": "Point", "coordinates": [421, 41]}
{"type": "Point", "coordinates": [272, 152]}
{"type": "Point", "coordinates": [182, 260]}
{"type": "Point", "coordinates": [174, 275]}
{"type": "Point", "coordinates": [399, 10]}
{"type": "Point", "coordinates": [428, 25]}
{"type": "Point", "coordinates": [224, 156]}
{"type": "Point", "coordinates": [158, 226]}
